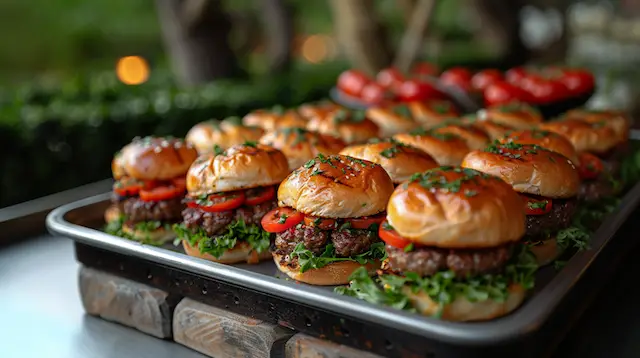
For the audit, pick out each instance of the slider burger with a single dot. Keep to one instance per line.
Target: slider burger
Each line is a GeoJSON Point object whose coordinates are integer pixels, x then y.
{"type": "Point", "coordinates": [545, 139]}
{"type": "Point", "coordinates": [475, 138]}
{"type": "Point", "coordinates": [300, 145]}
{"type": "Point", "coordinates": [209, 135]}
{"type": "Point", "coordinates": [434, 112]}
{"type": "Point", "coordinates": [600, 149]}
{"type": "Point", "coordinates": [453, 234]}
{"type": "Point", "coordinates": [350, 126]}
{"type": "Point", "coordinates": [515, 115]}
{"type": "Point", "coordinates": [150, 184]}
{"type": "Point", "coordinates": [617, 120]}
{"type": "Point", "coordinates": [327, 223]}
{"type": "Point", "coordinates": [399, 160]}
{"type": "Point", "coordinates": [394, 119]}
{"type": "Point", "coordinates": [548, 183]}
{"type": "Point", "coordinates": [318, 110]}
{"type": "Point", "coordinates": [228, 194]}
{"type": "Point", "coordinates": [445, 148]}
{"type": "Point", "coordinates": [275, 118]}
{"type": "Point", "coordinates": [494, 130]}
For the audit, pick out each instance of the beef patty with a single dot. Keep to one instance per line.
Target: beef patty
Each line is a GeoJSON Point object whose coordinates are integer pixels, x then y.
{"type": "Point", "coordinates": [215, 223]}
{"type": "Point", "coordinates": [593, 190]}
{"type": "Point", "coordinates": [346, 242]}
{"type": "Point", "coordinates": [137, 210]}
{"type": "Point", "coordinates": [558, 218]}
{"type": "Point", "coordinates": [426, 261]}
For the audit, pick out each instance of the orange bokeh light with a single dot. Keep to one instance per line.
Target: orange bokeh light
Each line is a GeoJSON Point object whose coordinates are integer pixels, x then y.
{"type": "Point", "coordinates": [317, 48]}
{"type": "Point", "coordinates": [132, 70]}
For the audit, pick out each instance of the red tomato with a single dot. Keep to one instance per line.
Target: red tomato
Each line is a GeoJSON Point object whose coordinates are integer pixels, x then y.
{"type": "Point", "coordinates": [389, 78]}
{"type": "Point", "coordinates": [372, 93]}
{"type": "Point", "coordinates": [544, 90]}
{"type": "Point", "coordinates": [391, 237]}
{"type": "Point", "coordinates": [216, 203]}
{"type": "Point", "coordinates": [365, 222]}
{"type": "Point", "coordinates": [281, 219]}
{"type": "Point", "coordinates": [515, 75]}
{"type": "Point", "coordinates": [503, 93]}
{"type": "Point", "coordinates": [179, 183]}
{"type": "Point", "coordinates": [161, 193]}
{"type": "Point", "coordinates": [259, 195]}
{"type": "Point", "coordinates": [457, 76]}
{"type": "Point", "coordinates": [484, 78]}
{"type": "Point", "coordinates": [352, 82]}
{"type": "Point", "coordinates": [577, 81]}
{"type": "Point", "coordinates": [590, 166]}
{"type": "Point", "coordinates": [320, 223]}
{"type": "Point", "coordinates": [424, 69]}
{"type": "Point", "coordinates": [414, 90]}
{"type": "Point", "coordinates": [534, 206]}
{"type": "Point", "coordinates": [127, 187]}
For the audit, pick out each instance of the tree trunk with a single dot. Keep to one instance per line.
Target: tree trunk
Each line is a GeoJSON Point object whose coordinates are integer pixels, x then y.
{"type": "Point", "coordinates": [196, 35]}
{"type": "Point", "coordinates": [413, 37]}
{"type": "Point", "coordinates": [361, 35]}
{"type": "Point", "coordinates": [278, 25]}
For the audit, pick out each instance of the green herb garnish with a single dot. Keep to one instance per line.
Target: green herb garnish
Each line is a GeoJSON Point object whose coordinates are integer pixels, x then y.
{"type": "Point", "coordinates": [308, 260]}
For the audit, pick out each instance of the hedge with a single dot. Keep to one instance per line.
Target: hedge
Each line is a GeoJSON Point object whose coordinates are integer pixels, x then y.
{"type": "Point", "coordinates": [57, 136]}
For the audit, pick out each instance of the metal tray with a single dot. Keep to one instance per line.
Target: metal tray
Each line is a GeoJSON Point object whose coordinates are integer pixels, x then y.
{"type": "Point", "coordinates": [256, 290]}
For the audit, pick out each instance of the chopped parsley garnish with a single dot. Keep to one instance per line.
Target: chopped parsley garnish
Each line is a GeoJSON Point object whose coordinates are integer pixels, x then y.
{"type": "Point", "coordinates": [403, 111]}
{"type": "Point", "coordinates": [282, 219]}
{"type": "Point", "coordinates": [537, 204]}
{"type": "Point", "coordinates": [217, 150]}
{"type": "Point", "coordinates": [409, 247]}
{"type": "Point", "coordinates": [250, 143]}
{"type": "Point", "coordinates": [435, 179]}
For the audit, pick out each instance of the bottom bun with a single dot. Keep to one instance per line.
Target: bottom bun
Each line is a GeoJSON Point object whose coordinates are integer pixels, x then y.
{"type": "Point", "coordinates": [159, 235]}
{"type": "Point", "coordinates": [336, 273]}
{"type": "Point", "coordinates": [546, 251]}
{"type": "Point", "coordinates": [463, 310]}
{"type": "Point", "coordinates": [242, 252]}
{"type": "Point", "coordinates": [112, 214]}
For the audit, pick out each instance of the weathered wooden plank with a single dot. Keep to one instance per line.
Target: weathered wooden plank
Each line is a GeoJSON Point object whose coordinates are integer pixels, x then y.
{"type": "Point", "coordinates": [303, 346]}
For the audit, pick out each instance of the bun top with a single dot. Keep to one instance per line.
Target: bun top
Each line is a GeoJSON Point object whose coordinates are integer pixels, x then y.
{"type": "Point", "coordinates": [205, 136]}
{"type": "Point", "coordinates": [276, 118]}
{"type": "Point", "coordinates": [434, 112]}
{"type": "Point", "coordinates": [530, 169]}
{"type": "Point", "coordinates": [242, 166]}
{"type": "Point", "coordinates": [153, 158]}
{"type": "Point", "coordinates": [399, 160]}
{"type": "Point", "coordinates": [300, 145]}
{"type": "Point", "coordinates": [475, 138]}
{"type": "Point", "coordinates": [492, 129]}
{"type": "Point", "coordinates": [616, 120]}
{"type": "Point", "coordinates": [445, 148]}
{"type": "Point", "coordinates": [393, 119]}
{"type": "Point", "coordinates": [515, 115]}
{"type": "Point", "coordinates": [548, 140]}
{"type": "Point", "coordinates": [337, 186]}
{"type": "Point", "coordinates": [350, 126]}
{"type": "Point", "coordinates": [318, 110]}
{"type": "Point", "coordinates": [456, 208]}
{"type": "Point", "coordinates": [596, 138]}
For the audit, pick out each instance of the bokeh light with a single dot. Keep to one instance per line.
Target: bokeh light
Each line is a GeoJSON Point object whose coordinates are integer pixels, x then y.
{"type": "Point", "coordinates": [318, 48]}
{"type": "Point", "coordinates": [132, 70]}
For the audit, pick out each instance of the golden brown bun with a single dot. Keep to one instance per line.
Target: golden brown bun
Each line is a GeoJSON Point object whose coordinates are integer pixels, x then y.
{"type": "Point", "coordinates": [274, 119]}
{"type": "Point", "coordinates": [475, 138]}
{"type": "Point", "coordinates": [616, 120]}
{"type": "Point", "coordinates": [336, 273]}
{"type": "Point", "coordinates": [549, 140]}
{"type": "Point", "coordinates": [492, 129]}
{"type": "Point", "coordinates": [446, 149]}
{"type": "Point", "coordinates": [242, 252]}
{"type": "Point", "coordinates": [154, 158]}
{"type": "Point", "coordinates": [318, 110]}
{"type": "Point", "coordinates": [300, 145]}
{"type": "Point", "coordinates": [433, 113]}
{"type": "Point", "coordinates": [528, 168]}
{"type": "Point", "coordinates": [112, 213]}
{"type": "Point", "coordinates": [349, 126]}
{"type": "Point", "coordinates": [159, 235]}
{"type": "Point", "coordinates": [337, 187]}
{"type": "Point", "coordinates": [399, 160]}
{"type": "Point", "coordinates": [239, 167]}
{"type": "Point", "coordinates": [514, 115]}
{"type": "Point", "coordinates": [585, 137]}
{"type": "Point", "coordinates": [457, 208]}
{"type": "Point", "coordinates": [546, 251]}
{"type": "Point", "coordinates": [394, 119]}
{"type": "Point", "coordinates": [205, 136]}
{"type": "Point", "coordinates": [463, 310]}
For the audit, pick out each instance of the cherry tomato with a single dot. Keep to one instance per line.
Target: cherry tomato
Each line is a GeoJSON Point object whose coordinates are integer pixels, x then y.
{"type": "Point", "coordinates": [457, 76]}
{"type": "Point", "coordinates": [577, 81]}
{"type": "Point", "coordinates": [281, 219]}
{"type": "Point", "coordinates": [161, 193]}
{"type": "Point", "coordinates": [372, 93]}
{"type": "Point", "coordinates": [320, 223]}
{"type": "Point", "coordinates": [482, 79]}
{"type": "Point", "coordinates": [503, 93]}
{"type": "Point", "coordinates": [414, 90]}
{"type": "Point", "coordinates": [352, 82]}
{"type": "Point", "coordinates": [389, 78]}
{"type": "Point", "coordinates": [515, 75]}
{"type": "Point", "coordinates": [391, 237]}
{"type": "Point", "coordinates": [365, 222]}
{"type": "Point", "coordinates": [590, 166]}
{"type": "Point", "coordinates": [544, 90]}
{"type": "Point", "coordinates": [535, 206]}
{"type": "Point", "coordinates": [424, 69]}
{"type": "Point", "coordinates": [216, 203]}
{"type": "Point", "coordinates": [259, 195]}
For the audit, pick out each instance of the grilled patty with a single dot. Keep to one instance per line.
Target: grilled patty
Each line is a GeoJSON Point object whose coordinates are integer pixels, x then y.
{"type": "Point", "coordinates": [137, 210]}
{"type": "Point", "coordinates": [426, 261]}
{"type": "Point", "coordinates": [216, 223]}
{"type": "Point", "coordinates": [558, 218]}
{"type": "Point", "coordinates": [593, 190]}
{"type": "Point", "coordinates": [347, 242]}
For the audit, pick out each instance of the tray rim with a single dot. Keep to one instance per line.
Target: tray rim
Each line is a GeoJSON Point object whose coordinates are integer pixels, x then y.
{"type": "Point", "coordinates": [522, 322]}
